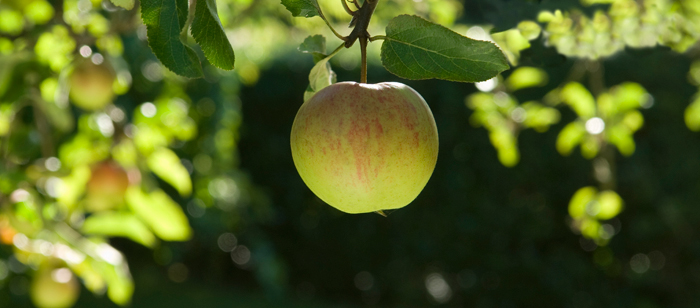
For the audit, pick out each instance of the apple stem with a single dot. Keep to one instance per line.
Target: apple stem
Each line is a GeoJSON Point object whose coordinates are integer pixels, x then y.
{"type": "Point", "coordinates": [363, 65]}
{"type": "Point", "coordinates": [360, 20]}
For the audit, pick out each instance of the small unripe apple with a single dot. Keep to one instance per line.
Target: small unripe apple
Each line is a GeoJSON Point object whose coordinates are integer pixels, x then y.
{"type": "Point", "coordinates": [91, 86]}
{"type": "Point", "coordinates": [107, 186]}
{"type": "Point", "coordinates": [54, 288]}
{"type": "Point", "coordinates": [365, 147]}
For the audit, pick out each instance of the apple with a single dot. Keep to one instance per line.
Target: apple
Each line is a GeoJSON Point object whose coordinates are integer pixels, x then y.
{"type": "Point", "coordinates": [54, 288]}
{"type": "Point", "coordinates": [91, 86]}
{"type": "Point", "coordinates": [365, 147]}
{"type": "Point", "coordinates": [107, 186]}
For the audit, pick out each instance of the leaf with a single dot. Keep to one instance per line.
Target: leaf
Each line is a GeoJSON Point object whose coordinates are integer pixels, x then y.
{"type": "Point", "coordinates": [165, 163]}
{"type": "Point", "coordinates": [127, 4]}
{"type": "Point", "coordinates": [119, 224]}
{"type": "Point", "coordinates": [610, 205]}
{"type": "Point", "coordinates": [569, 137]}
{"type": "Point", "coordinates": [580, 200]}
{"type": "Point", "coordinates": [321, 76]}
{"type": "Point", "coordinates": [621, 137]}
{"type": "Point", "coordinates": [162, 214]}
{"type": "Point", "coordinates": [415, 48]}
{"type": "Point", "coordinates": [314, 45]}
{"type": "Point", "coordinates": [209, 34]}
{"type": "Point", "coordinates": [579, 99]}
{"type": "Point", "coordinates": [526, 77]}
{"type": "Point", "coordinates": [506, 144]}
{"type": "Point", "coordinates": [304, 8]}
{"type": "Point", "coordinates": [164, 21]}
{"type": "Point", "coordinates": [692, 115]}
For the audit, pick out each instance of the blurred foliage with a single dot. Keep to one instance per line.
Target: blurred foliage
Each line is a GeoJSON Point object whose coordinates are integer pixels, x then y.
{"type": "Point", "coordinates": [191, 181]}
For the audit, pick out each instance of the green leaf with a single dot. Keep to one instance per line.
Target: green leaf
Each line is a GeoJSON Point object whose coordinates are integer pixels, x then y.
{"type": "Point", "coordinates": [164, 20]}
{"type": "Point", "coordinates": [579, 99]}
{"type": "Point", "coordinates": [314, 45]}
{"type": "Point", "coordinates": [60, 117]}
{"type": "Point", "coordinates": [692, 115]}
{"type": "Point", "coordinates": [589, 147]}
{"type": "Point", "coordinates": [321, 76]}
{"type": "Point", "coordinates": [506, 144]}
{"type": "Point", "coordinates": [165, 163]}
{"type": "Point", "coordinates": [526, 77]}
{"type": "Point", "coordinates": [209, 34]}
{"type": "Point", "coordinates": [579, 202]}
{"type": "Point", "coordinates": [304, 8]}
{"type": "Point", "coordinates": [569, 137]}
{"type": "Point", "coordinates": [162, 214]}
{"type": "Point", "coordinates": [415, 48]}
{"type": "Point", "coordinates": [119, 224]}
{"type": "Point", "coordinates": [629, 95]}
{"type": "Point", "coordinates": [610, 205]}
{"type": "Point", "coordinates": [127, 4]}
{"type": "Point", "coordinates": [621, 137]}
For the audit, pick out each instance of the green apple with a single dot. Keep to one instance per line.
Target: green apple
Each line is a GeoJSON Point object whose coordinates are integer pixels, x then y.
{"type": "Point", "coordinates": [106, 188]}
{"type": "Point", "coordinates": [54, 288]}
{"type": "Point", "coordinates": [365, 147]}
{"type": "Point", "coordinates": [91, 86]}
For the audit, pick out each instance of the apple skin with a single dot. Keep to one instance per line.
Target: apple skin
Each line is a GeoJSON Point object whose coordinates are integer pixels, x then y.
{"type": "Point", "coordinates": [91, 86]}
{"type": "Point", "coordinates": [107, 186]}
{"type": "Point", "coordinates": [365, 147]}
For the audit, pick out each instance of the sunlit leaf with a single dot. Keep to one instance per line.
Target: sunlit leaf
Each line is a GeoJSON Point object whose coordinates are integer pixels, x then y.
{"type": "Point", "coordinates": [164, 21]}
{"type": "Point", "coordinates": [692, 115]}
{"type": "Point", "coordinates": [512, 42]}
{"type": "Point", "coordinates": [73, 186]}
{"type": "Point", "coordinates": [39, 12]}
{"type": "Point", "coordinates": [119, 224]}
{"type": "Point", "coordinates": [127, 4]}
{"type": "Point", "coordinates": [321, 76]}
{"type": "Point", "coordinates": [530, 30]}
{"type": "Point", "coordinates": [314, 45]}
{"type": "Point", "coordinates": [580, 200]}
{"type": "Point", "coordinates": [162, 214]}
{"type": "Point", "coordinates": [539, 117]}
{"type": "Point", "coordinates": [628, 96]}
{"type": "Point", "coordinates": [610, 205]}
{"type": "Point", "coordinates": [11, 22]}
{"type": "Point", "coordinates": [589, 147]}
{"type": "Point", "coordinates": [633, 120]}
{"type": "Point", "coordinates": [60, 117]}
{"type": "Point", "coordinates": [304, 8]}
{"type": "Point", "coordinates": [621, 137]}
{"type": "Point", "coordinates": [569, 137]}
{"type": "Point", "coordinates": [209, 34]}
{"type": "Point", "coordinates": [415, 48]}
{"type": "Point", "coordinates": [526, 77]}
{"type": "Point", "coordinates": [590, 228]}
{"type": "Point", "coordinates": [579, 99]}
{"type": "Point", "coordinates": [507, 146]}
{"type": "Point", "coordinates": [165, 163]}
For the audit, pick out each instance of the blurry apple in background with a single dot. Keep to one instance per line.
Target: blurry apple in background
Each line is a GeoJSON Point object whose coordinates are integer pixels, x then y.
{"type": "Point", "coordinates": [7, 233]}
{"type": "Point", "coordinates": [91, 85]}
{"type": "Point", "coordinates": [365, 147]}
{"type": "Point", "coordinates": [106, 188]}
{"type": "Point", "coordinates": [54, 288]}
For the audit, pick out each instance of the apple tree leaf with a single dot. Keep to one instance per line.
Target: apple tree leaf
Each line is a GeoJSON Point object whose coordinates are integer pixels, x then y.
{"type": "Point", "coordinates": [119, 224]}
{"type": "Point", "coordinates": [127, 4]}
{"type": "Point", "coordinates": [304, 8]}
{"type": "Point", "coordinates": [164, 21]}
{"type": "Point", "coordinates": [314, 45]}
{"type": "Point", "coordinates": [209, 34]}
{"type": "Point", "coordinates": [165, 163]}
{"type": "Point", "coordinates": [415, 48]}
{"type": "Point", "coordinates": [321, 76]}
{"type": "Point", "coordinates": [160, 213]}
